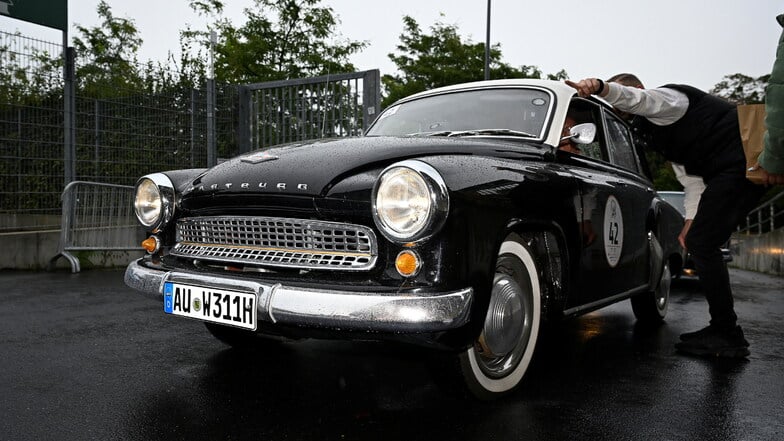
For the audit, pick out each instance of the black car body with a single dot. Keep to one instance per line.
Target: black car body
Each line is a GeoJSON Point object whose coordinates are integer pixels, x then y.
{"type": "Point", "coordinates": [454, 223]}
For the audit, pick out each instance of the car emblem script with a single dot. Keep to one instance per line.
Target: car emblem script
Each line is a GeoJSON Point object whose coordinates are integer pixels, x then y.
{"type": "Point", "coordinates": [256, 158]}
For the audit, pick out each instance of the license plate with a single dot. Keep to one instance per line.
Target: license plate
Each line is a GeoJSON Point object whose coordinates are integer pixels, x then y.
{"type": "Point", "coordinates": [226, 307]}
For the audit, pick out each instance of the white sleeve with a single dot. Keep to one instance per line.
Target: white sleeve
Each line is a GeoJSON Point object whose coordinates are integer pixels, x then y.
{"type": "Point", "coordinates": [693, 186]}
{"type": "Point", "coordinates": [662, 106]}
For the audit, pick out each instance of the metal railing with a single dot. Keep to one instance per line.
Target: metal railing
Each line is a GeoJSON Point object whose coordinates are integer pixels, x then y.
{"type": "Point", "coordinates": [765, 218]}
{"type": "Point", "coordinates": [328, 106]}
{"type": "Point", "coordinates": [97, 217]}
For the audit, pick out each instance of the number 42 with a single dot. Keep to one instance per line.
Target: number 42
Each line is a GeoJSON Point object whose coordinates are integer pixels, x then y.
{"type": "Point", "coordinates": [613, 234]}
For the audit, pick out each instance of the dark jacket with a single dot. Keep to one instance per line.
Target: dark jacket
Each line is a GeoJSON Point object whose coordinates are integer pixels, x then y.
{"type": "Point", "coordinates": [706, 139]}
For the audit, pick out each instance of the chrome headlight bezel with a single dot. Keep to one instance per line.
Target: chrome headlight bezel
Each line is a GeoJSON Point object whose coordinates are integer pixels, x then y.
{"type": "Point", "coordinates": [437, 196]}
{"type": "Point", "coordinates": [167, 203]}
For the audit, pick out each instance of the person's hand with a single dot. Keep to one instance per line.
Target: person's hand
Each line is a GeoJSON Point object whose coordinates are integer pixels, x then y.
{"type": "Point", "coordinates": [768, 178]}
{"type": "Point", "coordinates": [684, 232]}
{"type": "Point", "coordinates": [588, 87]}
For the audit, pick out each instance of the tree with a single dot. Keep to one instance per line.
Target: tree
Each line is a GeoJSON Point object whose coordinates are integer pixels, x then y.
{"type": "Point", "coordinates": [281, 39]}
{"type": "Point", "coordinates": [741, 89]}
{"type": "Point", "coordinates": [443, 57]}
{"type": "Point", "coordinates": [107, 55]}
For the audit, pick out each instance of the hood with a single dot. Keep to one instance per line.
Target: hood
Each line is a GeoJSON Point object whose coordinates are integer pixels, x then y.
{"type": "Point", "coordinates": [312, 168]}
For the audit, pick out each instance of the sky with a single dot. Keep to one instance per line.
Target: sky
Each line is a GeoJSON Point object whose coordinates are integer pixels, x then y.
{"type": "Point", "coordinates": [695, 42]}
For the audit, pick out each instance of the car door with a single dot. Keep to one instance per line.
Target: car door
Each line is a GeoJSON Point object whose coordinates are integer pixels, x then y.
{"type": "Point", "coordinates": [611, 214]}
{"type": "Point", "coordinates": [636, 192]}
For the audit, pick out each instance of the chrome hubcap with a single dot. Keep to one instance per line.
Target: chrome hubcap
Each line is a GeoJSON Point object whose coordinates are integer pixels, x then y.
{"type": "Point", "coordinates": [506, 329]}
{"type": "Point", "coordinates": [504, 322]}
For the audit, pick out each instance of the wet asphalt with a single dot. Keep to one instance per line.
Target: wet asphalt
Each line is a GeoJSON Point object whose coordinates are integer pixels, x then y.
{"type": "Point", "coordinates": [82, 357]}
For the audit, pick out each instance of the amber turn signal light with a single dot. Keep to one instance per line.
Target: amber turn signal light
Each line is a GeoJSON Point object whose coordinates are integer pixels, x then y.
{"type": "Point", "coordinates": [407, 263]}
{"type": "Point", "coordinates": [151, 244]}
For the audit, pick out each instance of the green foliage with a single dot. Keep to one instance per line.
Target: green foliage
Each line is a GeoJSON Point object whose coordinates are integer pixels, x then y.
{"type": "Point", "coordinates": [281, 39]}
{"type": "Point", "coordinates": [442, 57]}
{"type": "Point", "coordinates": [663, 175]}
{"type": "Point", "coordinates": [106, 55]}
{"type": "Point", "coordinates": [741, 89]}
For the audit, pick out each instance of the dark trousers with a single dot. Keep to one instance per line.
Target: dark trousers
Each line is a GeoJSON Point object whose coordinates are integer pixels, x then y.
{"type": "Point", "coordinates": [727, 198]}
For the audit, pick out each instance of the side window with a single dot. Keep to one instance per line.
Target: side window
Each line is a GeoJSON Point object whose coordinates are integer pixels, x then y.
{"type": "Point", "coordinates": [592, 150]}
{"type": "Point", "coordinates": [583, 111]}
{"type": "Point", "coordinates": [619, 145]}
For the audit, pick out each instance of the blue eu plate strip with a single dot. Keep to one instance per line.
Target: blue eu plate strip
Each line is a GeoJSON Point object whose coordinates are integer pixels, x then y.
{"type": "Point", "coordinates": [168, 302]}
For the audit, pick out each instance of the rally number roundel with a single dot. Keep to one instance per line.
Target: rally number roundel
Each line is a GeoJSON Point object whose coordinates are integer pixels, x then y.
{"type": "Point", "coordinates": [613, 231]}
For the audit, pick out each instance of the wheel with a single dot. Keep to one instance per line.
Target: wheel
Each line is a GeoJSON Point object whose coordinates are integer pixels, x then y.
{"type": "Point", "coordinates": [651, 307]}
{"type": "Point", "coordinates": [495, 364]}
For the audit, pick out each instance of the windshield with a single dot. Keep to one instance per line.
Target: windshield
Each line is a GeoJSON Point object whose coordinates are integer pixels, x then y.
{"type": "Point", "coordinates": [500, 112]}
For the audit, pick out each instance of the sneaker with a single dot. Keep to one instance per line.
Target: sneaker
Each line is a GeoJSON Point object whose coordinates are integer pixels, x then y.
{"type": "Point", "coordinates": [690, 335]}
{"type": "Point", "coordinates": [716, 343]}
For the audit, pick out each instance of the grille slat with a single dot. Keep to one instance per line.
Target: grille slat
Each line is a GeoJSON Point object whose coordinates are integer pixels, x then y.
{"type": "Point", "coordinates": [282, 242]}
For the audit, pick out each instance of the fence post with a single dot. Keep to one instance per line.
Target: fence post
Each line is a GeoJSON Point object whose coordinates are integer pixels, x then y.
{"type": "Point", "coordinates": [193, 129]}
{"type": "Point", "coordinates": [212, 154]}
{"type": "Point", "coordinates": [243, 128]}
{"type": "Point", "coordinates": [97, 137]}
{"type": "Point", "coordinates": [69, 108]}
{"type": "Point", "coordinates": [371, 93]}
{"type": "Point", "coordinates": [759, 222]}
{"type": "Point", "coordinates": [18, 167]}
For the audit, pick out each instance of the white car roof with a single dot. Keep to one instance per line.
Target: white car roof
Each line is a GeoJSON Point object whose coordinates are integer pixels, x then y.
{"type": "Point", "coordinates": [559, 88]}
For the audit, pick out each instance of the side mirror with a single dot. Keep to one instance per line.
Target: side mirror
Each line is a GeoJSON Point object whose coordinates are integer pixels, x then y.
{"type": "Point", "coordinates": [583, 133]}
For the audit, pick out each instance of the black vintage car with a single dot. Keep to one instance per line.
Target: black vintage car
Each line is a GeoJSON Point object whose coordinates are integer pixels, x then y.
{"type": "Point", "coordinates": [455, 223]}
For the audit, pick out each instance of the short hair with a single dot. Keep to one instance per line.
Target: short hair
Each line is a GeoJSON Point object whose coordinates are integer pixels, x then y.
{"type": "Point", "coordinates": [626, 79]}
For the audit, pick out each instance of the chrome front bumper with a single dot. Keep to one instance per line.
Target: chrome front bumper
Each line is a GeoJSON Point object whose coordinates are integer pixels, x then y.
{"type": "Point", "coordinates": [405, 311]}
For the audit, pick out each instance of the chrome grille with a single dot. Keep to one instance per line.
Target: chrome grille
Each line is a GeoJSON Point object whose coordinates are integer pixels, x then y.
{"type": "Point", "coordinates": [274, 241]}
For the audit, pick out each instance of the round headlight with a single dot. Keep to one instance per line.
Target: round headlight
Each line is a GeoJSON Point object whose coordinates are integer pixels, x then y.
{"type": "Point", "coordinates": [148, 203]}
{"type": "Point", "coordinates": [410, 201]}
{"type": "Point", "coordinates": [154, 202]}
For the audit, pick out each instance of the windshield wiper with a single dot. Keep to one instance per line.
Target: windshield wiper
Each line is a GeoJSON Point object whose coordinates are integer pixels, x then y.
{"type": "Point", "coordinates": [439, 133]}
{"type": "Point", "coordinates": [505, 132]}
{"type": "Point", "coordinates": [475, 132]}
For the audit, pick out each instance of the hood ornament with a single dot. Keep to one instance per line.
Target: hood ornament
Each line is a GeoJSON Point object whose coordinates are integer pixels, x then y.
{"type": "Point", "coordinates": [256, 158]}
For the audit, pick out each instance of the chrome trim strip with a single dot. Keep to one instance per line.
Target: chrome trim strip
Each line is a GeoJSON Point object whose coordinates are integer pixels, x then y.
{"type": "Point", "coordinates": [404, 311]}
{"type": "Point", "coordinates": [604, 302]}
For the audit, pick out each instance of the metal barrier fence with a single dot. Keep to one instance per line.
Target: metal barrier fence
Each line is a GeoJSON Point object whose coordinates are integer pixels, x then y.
{"type": "Point", "coordinates": [765, 218]}
{"type": "Point", "coordinates": [97, 217]}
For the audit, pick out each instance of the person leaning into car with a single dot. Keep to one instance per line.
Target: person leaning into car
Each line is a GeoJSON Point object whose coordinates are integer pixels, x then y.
{"type": "Point", "coordinates": [701, 133]}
